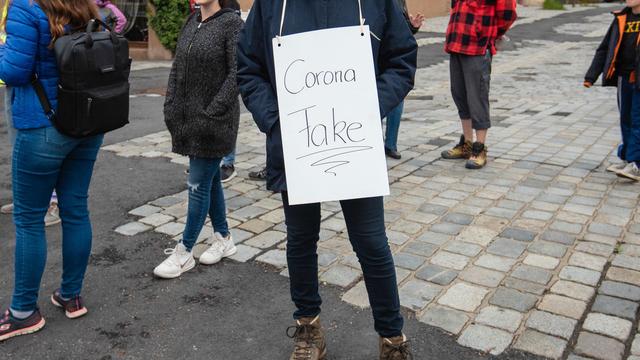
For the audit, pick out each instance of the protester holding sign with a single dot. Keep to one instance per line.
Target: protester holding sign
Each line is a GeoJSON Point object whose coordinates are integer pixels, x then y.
{"type": "Point", "coordinates": [311, 124]}
{"type": "Point", "coordinates": [202, 113]}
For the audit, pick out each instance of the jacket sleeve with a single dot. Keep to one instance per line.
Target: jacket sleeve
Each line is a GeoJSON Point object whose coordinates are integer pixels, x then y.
{"type": "Point", "coordinates": [253, 74]}
{"type": "Point", "coordinates": [121, 20]}
{"type": "Point", "coordinates": [224, 100]}
{"type": "Point", "coordinates": [18, 54]}
{"type": "Point", "coordinates": [505, 15]}
{"type": "Point", "coordinates": [597, 65]}
{"type": "Point", "coordinates": [169, 106]}
{"type": "Point", "coordinates": [397, 60]}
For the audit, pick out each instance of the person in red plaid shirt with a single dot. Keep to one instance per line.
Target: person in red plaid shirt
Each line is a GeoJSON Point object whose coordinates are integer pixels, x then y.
{"type": "Point", "coordinates": [476, 28]}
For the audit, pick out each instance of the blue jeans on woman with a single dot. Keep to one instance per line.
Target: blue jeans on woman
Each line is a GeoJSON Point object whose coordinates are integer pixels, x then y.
{"type": "Point", "coordinates": [44, 159]}
{"type": "Point", "coordinates": [393, 127]}
{"type": "Point", "coordinates": [366, 228]}
{"type": "Point", "coordinates": [629, 104]}
{"type": "Point", "coordinates": [206, 196]}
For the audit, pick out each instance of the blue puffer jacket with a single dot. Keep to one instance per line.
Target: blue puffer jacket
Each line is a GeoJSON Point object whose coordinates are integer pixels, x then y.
{"type": "Point", "coordinates": [394, 54]}
{"type": "Point", "coordinates": [27, 52]}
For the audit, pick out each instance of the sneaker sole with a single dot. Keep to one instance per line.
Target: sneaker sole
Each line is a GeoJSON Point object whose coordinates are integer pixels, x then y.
{"type": "Point", "coordinates": [224, 255]}
{"type": "Point", "coordinates": [26, 331]}
{"type": "Point", "coordinates": [73, 315]}
{"type": "Point", "coordinates": [53, 223]}
{"type": "Point", "coordinates": [233, 175]}
{"type": "Point", "coordinates": [191, 266]}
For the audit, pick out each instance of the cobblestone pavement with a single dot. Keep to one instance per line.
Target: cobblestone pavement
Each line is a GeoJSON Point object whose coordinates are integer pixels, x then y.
{"type": "Point", "coordinates": [539, 251]}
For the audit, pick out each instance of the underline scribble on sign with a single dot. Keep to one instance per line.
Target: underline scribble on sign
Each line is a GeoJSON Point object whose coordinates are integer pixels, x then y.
{"type": "Point", "coordinates": [335, 163]}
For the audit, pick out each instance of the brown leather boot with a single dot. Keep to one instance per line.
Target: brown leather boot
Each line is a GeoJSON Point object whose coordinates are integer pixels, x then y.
{"type": "Point", "coordinates": [309, 340]}
{"type": "Point", "coordinates": [395, 348]}
{"type": "Point", "coordinates": [460, 151]}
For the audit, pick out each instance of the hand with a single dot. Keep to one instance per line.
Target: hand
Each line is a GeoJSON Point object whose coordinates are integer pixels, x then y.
{"type": "Point", "coordinates": [417, 20]}
{"type": "Point", "coordinates": [588, 84]}
{"type": "Point", "coordinates": [501, 41]}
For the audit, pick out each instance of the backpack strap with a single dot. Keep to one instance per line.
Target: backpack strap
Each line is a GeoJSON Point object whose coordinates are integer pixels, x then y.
{"type": "Point", "coordinates": [49, 112]}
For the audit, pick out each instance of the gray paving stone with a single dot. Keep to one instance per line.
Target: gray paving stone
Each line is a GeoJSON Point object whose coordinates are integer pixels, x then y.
{"type": "Point", "coordinates": [436, 274]}
{"type": "Point", "coordinates": [340, 275]}
{"type": "Point", "coordinates": [599, 347]}
{"type": "Point", "coordinates": [477, 235]}
{"type": "Point", "coordinates": [132, 228]}
{"type": "Point", "coordinates": [156, 220]}
{"type": "Point", "coordinates": [463, 248]}
{"type": "Point", "coordinates": [563, 305]}
{"type": "Point", "coordinates": [171, 229]}
{"type": "Point", "coordinates": [608, 325]}
{"type": "Point", "coordinates": [485, 339]}
{"type": "Point", "coordinates": [434, 238]}
{"type": "Point", "coordinates": [238, 202]}
{"type": "Point", "coordinates": [495, 262]}
{"type": "Point", "coordinates": [518, 234]}
{"type": "Point", "coordinates": [421, 248]}
{"type": "Point", "coordinates": [541, 261]}
{"type": "Point", "coordinates": [573, 290]}
{"type": "Point", "coordinates": [276, 257]}
{"type": "Point", "coordinates": [450, 260]}
{"type": "Point", "coordinates": [434, 209]}
{"type": "Point", "coordinates": [458, 218]}
{"type": "Point", "coordinates": [525, 286]}
{"type": "Point", "coordinates": [513, 299]}
{"type": "Point", "coordinates": [267, 239]}
{"type": "Point", "coordinates": [447, 228]}
{"type": "Point", "coordinates": [588, 261]}
{"type": "Point", "coordinates": [357, 296]}
{"type": "Point", "coordinates": [397, 238]}
{"type": "Point", "coordinates": [624, 275]}
{"type": "Point", "coordinates": [552, 324]}
{"type": "Point", "coordinates": [245, 253]}
{"type": "Point", "coordinates": [416, 294]}
{"type": "Point", "coordinates": [614, 306]}
{"type": "Point", "coordinates": [547, 248]}
{"type": "Point", "coordinates": [635, 346]}
{"type": "Point", "coordinates": [482, 276]}
{"type": "Point", "coordinates": [507, 247]}
{"type": "Point", "coordinates": [166, 201]}
{"type": "Point", "coordinates": [620, 290]}
{"type": "Point", "coordinates": [463, 297]}
{"type": "Point", "coordinates": [576, 357]}
{"type": "Point", "coordinates": [595, 248]}
{"type": "Point", "coordinates": [532, 273]}
{"type": "Point", "coordinates": [497, 317]}
{"type": "Point", "coordinates": [628, 262]}
{"type": "Point", "coordinates": [605, 229]}
{"type": "Point", "coordinates": [541, 344]}
{"type": "Point", "coordinates": [326, 258]}
{"type": "Point", "coordinates": [240, 235]}
{"type": "Point", "coordinates": [501, 212]}
{"type": "Point", "coordinates": [583, 276]}
{"type": "Point", "coordinates": [408, 261]}
{"type": "Point", "coordinates": [558, 237]}
{"type": "Point", "coordinates": [145, 210]}
{"type": "Point", "coordinates": [447, 319]}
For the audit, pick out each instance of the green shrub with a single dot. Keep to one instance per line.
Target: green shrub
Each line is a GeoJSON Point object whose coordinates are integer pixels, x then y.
{"type": "Point", "coordinates": [552, 5]}
{"type": "Point", "coordinates": [167, 20]}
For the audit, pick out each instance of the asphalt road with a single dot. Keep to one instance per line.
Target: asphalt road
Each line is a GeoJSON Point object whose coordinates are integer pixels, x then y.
{"type": "Point", "coordinates": [229, 311]}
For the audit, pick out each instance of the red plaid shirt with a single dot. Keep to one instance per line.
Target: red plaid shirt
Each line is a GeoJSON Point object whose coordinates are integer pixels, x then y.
{"type": "Point", "coordinates": [475, 25]}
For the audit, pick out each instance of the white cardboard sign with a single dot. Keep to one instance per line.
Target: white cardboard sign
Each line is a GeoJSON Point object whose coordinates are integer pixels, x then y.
{"type": "Point", "coordinates": [329, 116]}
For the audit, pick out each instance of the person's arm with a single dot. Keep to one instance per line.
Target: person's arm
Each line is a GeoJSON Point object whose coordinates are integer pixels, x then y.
{"type": "Point", "coordinates": [18, 54]}
{"type": "Point", "coordinates": [397, 60]}
{"type": "Point", "coordinates": [121, 20]}
{"type": "Point", "coordinates": [597, 65]}
{"type": "Point", "coordinates": [253, 75]}
{"type": "Point", "coordinates": [228, 93]}
{"type": "Point", "coordinates": [505, 15]}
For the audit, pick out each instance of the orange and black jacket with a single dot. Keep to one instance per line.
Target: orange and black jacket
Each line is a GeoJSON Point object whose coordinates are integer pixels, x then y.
{"type": "Point", "coordinates": [604, 62]}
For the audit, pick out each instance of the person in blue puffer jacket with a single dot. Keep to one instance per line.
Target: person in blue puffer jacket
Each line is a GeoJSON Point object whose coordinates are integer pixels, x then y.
{"type": "Point", "coordinates": [43, 158]}
{"type": "Point", "coordinates": [395, 57]}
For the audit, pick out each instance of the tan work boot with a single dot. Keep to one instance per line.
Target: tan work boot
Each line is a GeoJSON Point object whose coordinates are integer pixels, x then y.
{"type": "Point", "coordinates": [460, 151]}
{"type": "Point", "coordinates": [395, 348]}
{"type": "Point", "coordinates": [478, 157]}
{"type": "Point", "coordinates": [309, 340]}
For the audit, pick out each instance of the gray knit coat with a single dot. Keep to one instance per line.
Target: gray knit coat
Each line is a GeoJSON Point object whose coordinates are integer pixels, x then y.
{"type": "Point", "coordinates": [202, 109]}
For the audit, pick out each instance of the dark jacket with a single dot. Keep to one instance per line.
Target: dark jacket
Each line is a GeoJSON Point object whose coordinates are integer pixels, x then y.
{"type": "Point", "coordinates": [405, 12]}
{"type": "Point", "coordinates": [202, 110]}
{"type": "Point", "coordinates": [604, 62]}
{"type": "Point", "coordinates": [395, 57]}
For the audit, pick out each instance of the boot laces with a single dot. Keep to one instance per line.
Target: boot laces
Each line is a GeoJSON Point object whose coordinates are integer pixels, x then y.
{"type": "Point", "coordinates": [304, 338]}
{"type": "Point", "coordinates": [399, 351]}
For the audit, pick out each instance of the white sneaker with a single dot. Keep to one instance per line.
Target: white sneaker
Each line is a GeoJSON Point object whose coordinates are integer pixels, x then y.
{"type": "Point", "coordinates": [53, 215]}
{"type": "Point", "coordinates": [631, 171]}
{"type": "Point", "coordinates": [615, 168]}
{"type": "Point", "coordinates": [221, 248]}
{"type": "Point", "coordinates": [179, 261]}
{"type": "Point", "coordinates": [6, 209]}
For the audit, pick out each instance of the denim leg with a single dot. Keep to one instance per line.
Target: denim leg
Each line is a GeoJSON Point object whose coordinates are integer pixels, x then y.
{"type": "Point", "coordinates": [366, 227]}
{"type": "Point", "coordinates": [303, 233]}
{"type": "Point", "coordinates": [37, 159]}
{"type": "Point", "coordinates": [632, 153]}
{"type": "Point", "coordinates": [393, 127]}
{"type": "Point", "coordinates": [217, 208]}
{"type": "Point", "coordinates": [201, 172]}
{"type": "Point", "coordinates": [625, 102]}
{"type": "Point", "coordinates": [73, 192]}
{"type": "Point", "coordinates": [230, 159]}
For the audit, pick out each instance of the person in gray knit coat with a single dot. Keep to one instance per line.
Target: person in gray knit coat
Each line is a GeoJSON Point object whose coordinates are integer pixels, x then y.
{"type": "Point", "coordinates": [202, 113]}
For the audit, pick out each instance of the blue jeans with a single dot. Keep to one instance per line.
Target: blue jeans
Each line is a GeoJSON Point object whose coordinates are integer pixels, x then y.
{"type": "Point", "coordinates": [393, 127]}
{"type": "Point", "coordinates": [230, 159]}
{"type": "Point", "coordinates": [205, 197]}
{"type": "Point", "coordinates": [44, 159]}
{"type": "Point", "coordinates": [366, 228]}
{"type": "Point", "coordinates": [629, 104]}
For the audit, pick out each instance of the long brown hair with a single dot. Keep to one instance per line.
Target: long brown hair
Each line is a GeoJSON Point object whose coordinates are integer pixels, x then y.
{"type": "Point", "coordinates": [74, 13]}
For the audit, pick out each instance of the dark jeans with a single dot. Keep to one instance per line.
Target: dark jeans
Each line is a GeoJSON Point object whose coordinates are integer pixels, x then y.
{"type": "Point", "coordinates": [206, 196]}
{"type": "Point", "coordinates": [44, 159]}
{"type": "Point", "coordinates": [393, 127]}
{"type": "Point", "coordinates": [366, 227]}
{"type": "Point", "coordinates": [629, 104]}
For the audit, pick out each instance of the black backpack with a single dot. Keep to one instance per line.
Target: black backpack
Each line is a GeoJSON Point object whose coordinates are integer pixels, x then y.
{"type": "Point", "coordinates": [93, 88]}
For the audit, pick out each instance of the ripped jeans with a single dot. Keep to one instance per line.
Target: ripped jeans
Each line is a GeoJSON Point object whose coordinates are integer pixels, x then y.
{"type": "Point", "coordinates": [206, 196]}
